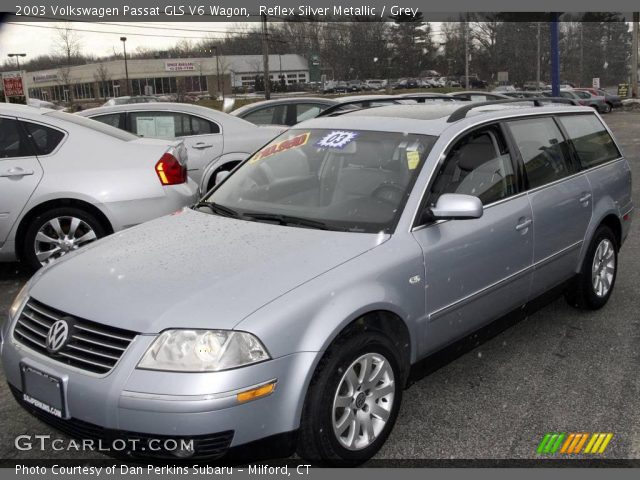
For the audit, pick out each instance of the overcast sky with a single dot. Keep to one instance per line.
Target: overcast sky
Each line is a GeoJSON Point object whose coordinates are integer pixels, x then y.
{"type": "Point", "coordinates": [39, 38]}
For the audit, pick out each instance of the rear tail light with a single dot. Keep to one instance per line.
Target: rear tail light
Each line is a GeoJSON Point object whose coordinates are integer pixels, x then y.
{"type": "Point", "coordinates": [170, 171]}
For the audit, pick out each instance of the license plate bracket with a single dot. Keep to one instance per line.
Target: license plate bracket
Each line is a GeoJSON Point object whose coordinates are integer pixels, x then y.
{"type": "Point", "coordinates": [42, 390]}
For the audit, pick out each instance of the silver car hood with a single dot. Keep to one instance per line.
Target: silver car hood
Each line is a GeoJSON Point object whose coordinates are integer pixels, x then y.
{"type": "Point", "coordinates": [192, 270]}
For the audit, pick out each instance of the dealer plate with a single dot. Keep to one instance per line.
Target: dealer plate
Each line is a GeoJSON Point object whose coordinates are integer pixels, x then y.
{"type": "Point", "coordinates": [42, 390]}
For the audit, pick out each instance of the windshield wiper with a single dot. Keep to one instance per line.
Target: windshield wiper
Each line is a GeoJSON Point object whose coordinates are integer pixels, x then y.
{"type": "Point", "coordinates": [292, 220]}
{"type": "Point", "coordinates": [217, 209]}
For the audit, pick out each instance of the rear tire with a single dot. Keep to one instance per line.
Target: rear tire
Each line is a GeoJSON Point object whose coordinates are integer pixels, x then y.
{"type": "Point", "coordinates": [54, 233]}
{"type": "Point", "coordinates": [352, 402]}
{"type": "Point", "coordinates": [607, 108]}
{"type": "Point", "coordinates": [592, 287]}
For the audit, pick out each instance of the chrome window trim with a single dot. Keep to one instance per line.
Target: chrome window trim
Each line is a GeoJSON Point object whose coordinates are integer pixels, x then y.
{"type": "Point", "coordinates": [413, 227]}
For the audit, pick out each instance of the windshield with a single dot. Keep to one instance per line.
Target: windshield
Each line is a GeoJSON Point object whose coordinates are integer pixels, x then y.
{"type": "Point", "coordinates": [344, 180]}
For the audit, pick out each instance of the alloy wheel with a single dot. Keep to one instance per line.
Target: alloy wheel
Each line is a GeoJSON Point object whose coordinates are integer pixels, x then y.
{"type": "Point", "coordinates": [603, 268]}
{"type": "Point", "coordinates": [363, 401]}
{"type": "Point", "coordinates": [61, 235]}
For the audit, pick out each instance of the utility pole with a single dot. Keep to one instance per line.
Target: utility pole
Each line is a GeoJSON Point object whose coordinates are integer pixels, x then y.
{"type": "Point", "coordinates": [634, 57]}
{"type": "Point", "coordinates": [538, 61]}
{"type": "Point", "coordinates": [581, 54]}
{"type": "Point", "coordinates": [126, 67]}
{"type": "Point", "coordinates": [555, 56]}
{"type": "Point", "coordinates": [466, 53]}
{"type": "Point", "coordinates": [265, 57]}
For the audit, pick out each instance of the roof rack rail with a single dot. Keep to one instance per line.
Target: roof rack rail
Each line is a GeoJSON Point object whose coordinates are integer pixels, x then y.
{"type": "Point", "coordinates": [461, 112]}
{"type": "Point", "coordinates": [365, 103]}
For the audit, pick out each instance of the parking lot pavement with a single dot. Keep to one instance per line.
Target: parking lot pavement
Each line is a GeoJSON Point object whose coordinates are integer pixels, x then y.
{"type": "Point", "coordinates": [560, 370]}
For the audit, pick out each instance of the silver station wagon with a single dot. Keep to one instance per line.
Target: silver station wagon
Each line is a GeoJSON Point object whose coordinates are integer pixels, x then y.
{"type": "Point", "coordinates": [290, 304]}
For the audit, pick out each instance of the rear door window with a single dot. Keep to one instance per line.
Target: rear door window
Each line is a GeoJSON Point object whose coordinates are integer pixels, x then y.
{"type": "Point", "coordinates": [591, 141]}
{"type": "Point", "coordinates": [543, 149]}
{"type": "Point", "coordinates": [113, 119]}
{"type": "Point", "coordinates": [160, 124]}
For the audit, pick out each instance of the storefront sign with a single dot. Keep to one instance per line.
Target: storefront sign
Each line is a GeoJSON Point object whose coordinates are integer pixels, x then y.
{"type": "Point", "coordinates": [179, 66]}
{"type": "Point", "coordinates": [12, 84]}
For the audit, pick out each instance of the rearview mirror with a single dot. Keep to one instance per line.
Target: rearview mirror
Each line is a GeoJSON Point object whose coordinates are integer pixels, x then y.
{"type": "Point", "coordinates": [220, 176]}
{"type": "Point", "coordinates": [456, 206]}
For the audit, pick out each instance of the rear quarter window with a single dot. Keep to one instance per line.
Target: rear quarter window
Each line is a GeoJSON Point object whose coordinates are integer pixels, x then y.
{"type": "Point", "coordinates": [44, 139]}
{"type": "Point", "coordinates": [593, 144]}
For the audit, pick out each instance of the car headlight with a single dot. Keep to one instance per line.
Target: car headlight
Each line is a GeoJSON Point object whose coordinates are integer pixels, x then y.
{"type": "Point", "coordinates": [19, 302]}
{"type": "Point", "coordinates": [203, 351]}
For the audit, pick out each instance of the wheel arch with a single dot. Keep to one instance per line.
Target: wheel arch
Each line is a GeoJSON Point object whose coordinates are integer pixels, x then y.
{"type": "Point", "coordinates": [609, 218]}
{"type": "Point", "coordinates": [215, 166]}
{"type": "Point", "coordinates": [57, 203]}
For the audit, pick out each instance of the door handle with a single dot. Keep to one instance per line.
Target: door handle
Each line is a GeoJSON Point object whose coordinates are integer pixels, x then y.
{"type": "Point", "coordinates": [202, 146]}
{"type": "Point", "coordinates": [16, 172]}
{"type": "Point", "coordinates": [524, 224]}
{"type": "Point", "coordinates": [585, 198]}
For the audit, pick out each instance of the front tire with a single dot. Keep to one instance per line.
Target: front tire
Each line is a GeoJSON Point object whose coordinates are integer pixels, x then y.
{"type": "Point", "coordinates": [593, 286]}
{"type": "Point", "coordinates": [54, 233]}
{"type": "Point", "coordinates": [352, 402]}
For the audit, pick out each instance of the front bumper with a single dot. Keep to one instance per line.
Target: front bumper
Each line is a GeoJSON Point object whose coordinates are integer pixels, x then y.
{"type": "Point", "coordinates": [143, 403]}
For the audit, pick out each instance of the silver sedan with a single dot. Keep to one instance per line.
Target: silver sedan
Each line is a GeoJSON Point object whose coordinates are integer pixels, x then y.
{"type": "Point", "coordinates": [216, 141]}
{"type": "Point", "coordinates": [66, 181]}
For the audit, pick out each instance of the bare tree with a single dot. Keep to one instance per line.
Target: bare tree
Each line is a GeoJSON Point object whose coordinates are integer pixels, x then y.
{"type": "Point", "coordinates": [67, 43]}
{"type": "Point", "coordinates": [103, 77]}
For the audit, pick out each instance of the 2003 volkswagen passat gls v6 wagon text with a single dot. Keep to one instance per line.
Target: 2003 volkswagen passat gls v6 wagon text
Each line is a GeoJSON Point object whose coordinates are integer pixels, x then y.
{"type": "Point", "coordinates": [295, 297]}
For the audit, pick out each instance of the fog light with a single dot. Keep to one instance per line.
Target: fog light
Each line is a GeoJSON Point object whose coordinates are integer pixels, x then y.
{"type": "Point", "coordinates": [258, 392]}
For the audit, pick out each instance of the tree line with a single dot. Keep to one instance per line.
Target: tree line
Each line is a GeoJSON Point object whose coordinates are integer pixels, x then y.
{"type": "Point", "coordinates": [591, 45]}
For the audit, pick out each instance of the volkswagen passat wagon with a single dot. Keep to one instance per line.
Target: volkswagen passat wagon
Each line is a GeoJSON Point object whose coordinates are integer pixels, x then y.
{"type": "Point", "coordinates": [296, 296]}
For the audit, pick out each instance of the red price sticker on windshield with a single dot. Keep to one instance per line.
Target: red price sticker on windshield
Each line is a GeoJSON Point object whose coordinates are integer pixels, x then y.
{"type": "Point", "coordinates": [291, 143]}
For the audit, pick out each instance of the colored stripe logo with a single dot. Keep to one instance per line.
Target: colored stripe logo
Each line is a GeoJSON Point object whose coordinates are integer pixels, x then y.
{"type": "Point", "coordinates": [574, 443]}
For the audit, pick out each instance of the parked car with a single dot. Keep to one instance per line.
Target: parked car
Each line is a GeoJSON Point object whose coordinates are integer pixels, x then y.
{"type": "Point", "coordinates": [126, 100]}
{"type": "Point", "coordinates": [504, 89]}
{"type": "Point", "coordinates": [613, 100]}
{"type": "Point", "coordinates": [290, 304]}
{"type": "Point", "coordinates": [524, 94]}
{"type": "Point", "coordinates": [354, 86]}
{"type": "Point", "coordinates": [66, 181]}
{"type": "Point", "coordinates": [357, 102]}
{"type": "Point", "coordinates": [341, 87]}
{"type": "Point", "coordinates": [474, 82]}
{"type": "Point", "coordinates": [216, 141]}
{"type": "Point", "coordinates": [478, 96]}
{"type": "Point", "coordinates": [283, 111]}
{"type": "Point", "coordinates": [373, 84]}
{"type": "Point", "coordinates": [584, 98]}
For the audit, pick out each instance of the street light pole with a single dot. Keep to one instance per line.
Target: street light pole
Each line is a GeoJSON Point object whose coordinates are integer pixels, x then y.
{"type": "Point", "coordinates": [126, 67]}
{"type": "Point", "coordinates": [17, 56]}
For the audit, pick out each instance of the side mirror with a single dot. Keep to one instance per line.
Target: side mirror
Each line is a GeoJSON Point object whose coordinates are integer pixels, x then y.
{"type": "Point", "coordinates": [220, 176]}
{"type": "Point", "coordinates": [456, 206]}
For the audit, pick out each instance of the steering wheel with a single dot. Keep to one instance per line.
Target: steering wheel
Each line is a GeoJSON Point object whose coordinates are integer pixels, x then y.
{"type": "Point", "coordinates": [389, 192]}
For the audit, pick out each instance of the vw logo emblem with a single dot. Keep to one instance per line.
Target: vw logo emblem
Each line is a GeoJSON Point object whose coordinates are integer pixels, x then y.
{"type": "Point", "coordinates": [57, 336]}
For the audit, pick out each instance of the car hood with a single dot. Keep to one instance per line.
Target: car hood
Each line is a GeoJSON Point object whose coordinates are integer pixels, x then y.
{"type": "Point", "coordinates": [192, 270]}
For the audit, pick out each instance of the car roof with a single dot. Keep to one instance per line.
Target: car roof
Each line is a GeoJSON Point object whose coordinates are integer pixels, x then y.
{"type": "Point", "coordinates": [23, 110]}
{"type": "Point", "coordinates": [210, 113]}
{"type": "Point", "coordinates": [282, 101]}
{"type": "Point", "coordinates": [431, 119]}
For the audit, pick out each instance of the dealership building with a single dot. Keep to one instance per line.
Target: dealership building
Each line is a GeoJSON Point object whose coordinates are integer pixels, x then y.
{"type": "Point", "coordinates": [162, 76]}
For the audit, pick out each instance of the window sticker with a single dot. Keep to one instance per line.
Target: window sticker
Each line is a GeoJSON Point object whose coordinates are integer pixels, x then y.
{"type": "Point", "coordinates": [337, 139]}
{"type": "Point", "coordinates": [295, 142]}
{"type": "Point", "coordinates": [413, 159]}
{"type": "Point", "coordinates": [156, 127]}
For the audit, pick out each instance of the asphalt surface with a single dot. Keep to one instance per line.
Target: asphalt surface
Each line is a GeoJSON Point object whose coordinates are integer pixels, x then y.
{"type": "Point", "coordinates": [560, 370]}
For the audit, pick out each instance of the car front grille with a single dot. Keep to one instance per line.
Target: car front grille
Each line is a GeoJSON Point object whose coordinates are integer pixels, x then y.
{"type": "Point", "coordinates": [208, 446]}
{"type": "Point", "coordinates": [92, 346]}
